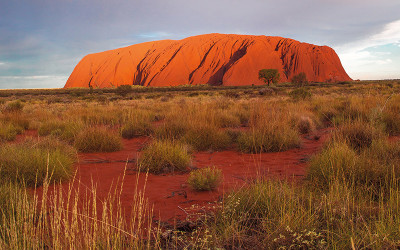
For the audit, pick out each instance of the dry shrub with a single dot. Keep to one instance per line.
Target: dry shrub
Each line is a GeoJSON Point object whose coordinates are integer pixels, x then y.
{"type": "Point", "coordinates": [29, 162]}
{"type": "Point", "coordinates": [357, 134]}
{"type": "Point", "coordinates": [164, 157]}
{"type": "Point", "coordinates": [98, 139]}
{"type": "Point", "coordinates": [205, 179]}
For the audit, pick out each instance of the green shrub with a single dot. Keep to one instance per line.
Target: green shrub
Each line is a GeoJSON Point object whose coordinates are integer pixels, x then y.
{"type": "Point", "coordinates": [227, 120]}
{"type": "Point", "coordinates": [391, 117]}
{"type": "Point", "coordinates": [266, 215]}
{"type": "Point", "coordinates": [203, 137]}
{"type": "Point", "coordinates": [18, 120]}
{"type": "Point", "coordinates": [123, 90]}
{"type": "Point", "coordinates": [164, 157]}
{"type": "Point", "coordinates": [7, 132]}
{"type": "Point", "coordinates": [266, 92]}
{"type": "Point", "coordinates": [300, 79]}
{"type": "Point", "coordinates": [30, 161]}
{"type": "Point", "coordinates": [65, 130]}
{"type": "Point", "coordinates": [268, 139]}
{"type": "Point", "coordinates": [205, 179]}
{"type": "Point", "coordinates": [10, 194]}
{"type": "Point", "coordinates": [332, 163]}
{"type": "Point", "coordinates": [300, 94]}
{"type": "Point", "coordinates": [357, 134]}
{"type": "Point", "coordinates": [98, 139]}
{"type": "Point", "coordinates": [375, 169]}
{"type": "Point", "coordinates": [303, 123]}
{"type": "Point", "coordinates": [170, 130]}
{"type": "Point", "coordinates": [14, 106]}
{"type": "Point", "coordinates": [135, 129]}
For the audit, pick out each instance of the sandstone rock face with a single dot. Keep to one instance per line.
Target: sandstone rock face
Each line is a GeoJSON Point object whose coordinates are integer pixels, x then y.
{"type": "Point", "coordinates": [216, 59]}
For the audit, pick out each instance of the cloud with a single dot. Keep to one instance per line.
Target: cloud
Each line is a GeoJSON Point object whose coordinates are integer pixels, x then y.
{"type": "Point", "coordinates": [48, 38]}
{"type": "Point", "coordinates": [363, 60]}
{"type": "Point", "coordinates": [33, 81]}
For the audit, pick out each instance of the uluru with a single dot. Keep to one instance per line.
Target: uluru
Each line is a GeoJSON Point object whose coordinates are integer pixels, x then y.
{"type": "Point", "coordinates": [215, 59]}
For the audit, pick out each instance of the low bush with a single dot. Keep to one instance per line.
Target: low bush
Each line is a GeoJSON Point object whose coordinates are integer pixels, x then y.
{"type": "Point", "coordinates": [269, 215]}
{"type": "Point", "coordinates": [300, 94]}
{"type": "Point", "coordinates": [10, 194]}
{"type": "Point", "coordinates": [135, 129]}
{"type": "Point", "coordinates": [123, 90]}
{"type": "Point", "coordinates": [268, 139]}
{"type": "Point", "coordinates": [18, 120]}
{"type": "Point", "coordinates": [31, 161]}
{"type": "Point", "coordinates": [357, 134]}
{"type": "Point", "coordinates": [98, 139]}
{"type": "Point", "coordinates": [266, 92]}
{"type": "Point", "coordinates": [336, 161]}
{"type": "Point", "coordinates": [375, 169]}
{"type": "Point", "coordinates": [227, 120]}
{"type": "Point", "coordinates": [137, 123]}
{"type": "Point", "coordinates": [204, 137]}
{"type": "Point", "coordinates": [65, 130]}
{"type": "Point", "coordinates": [303, 123]}
{"type": "Point", "coordinates": [171, 129]}
{"type": "Point", "coordinates": [7, 132]}
{"type": "Point", "coordinates": [14, 106]}
{"type": "Point", "coordinates": [164, 157]}
{"type": "Point", "coordinates": [205, 179]}
{"type": "Point", "coordinates": [300, 79]}
{"type": "Point", "coordinates": [391, 117]}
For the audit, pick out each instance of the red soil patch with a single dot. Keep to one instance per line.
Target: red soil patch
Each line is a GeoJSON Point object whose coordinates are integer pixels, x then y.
{"type": "Point", "coordinates": [169, 194]}
{"type": "Point", "coordinates": [27, 133]}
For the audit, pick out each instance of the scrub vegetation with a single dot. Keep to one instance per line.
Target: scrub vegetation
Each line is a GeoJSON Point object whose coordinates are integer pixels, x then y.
{"type": "Point", "coordinates": [348, 199]}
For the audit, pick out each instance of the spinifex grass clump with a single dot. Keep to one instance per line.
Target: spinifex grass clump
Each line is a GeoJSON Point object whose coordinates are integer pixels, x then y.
{"type": "Point", "coordinates": [19, 120]}
{"type": "Point", "coordinates": [203, 137]}
{"type": "Point", "coordinates": [270, 129]}
{"type": "Point", "coordinates": [391, 116]}
{"type": "Point", "coordinates": [164, 157]}
{"type": "Point", "coordinates": [8, 132]}
{"type": "Point", "coordinates": [205, 179]}
{"type": "Point", "coordinates": [65, 130]}
{"type": "Point", "coordinates": [303, 123]}
{"type": "Point", "coordinates": [170, 130]}
{"type": "Point", "coordinates": [137, 123]}
{"type": "Point", "coordinates": [269, 215]}
{"type": "Point", "coordinates": [75, 219]}
{"type": "Point", "coordinates": [135, 128]}
{"type": "Point", "coordinates": [98, 139]}
{"type": "Point", "coordinates": [9, 194]}
{"type": "Point", "coordinates": [300, 94]}
{"type": "Point", "coordinates": [373, 169]}
{"type": "Point", "coordinates": [30, 161]}
{"type": "Point", "coordinates": [268, 139]}
{"type": "Point", "coordinates": [14, 106]}
{"type": "Point", "coordinates": [193, 131]}
{"type": "Point", "coordinates": [357, 134]}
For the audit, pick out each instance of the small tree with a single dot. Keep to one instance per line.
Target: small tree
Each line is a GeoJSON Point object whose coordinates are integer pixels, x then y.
{"type": "Point", "coordinates": [269, 75]}
{"type": "Point", "coordinates": [300, 79]}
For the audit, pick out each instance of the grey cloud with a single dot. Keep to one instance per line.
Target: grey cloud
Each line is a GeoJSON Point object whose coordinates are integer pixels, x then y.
{"type": "Point", "coordinates": [48, 37]}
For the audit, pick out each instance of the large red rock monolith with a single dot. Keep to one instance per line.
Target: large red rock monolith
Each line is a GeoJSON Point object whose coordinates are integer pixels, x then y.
{"type": "Point", "coordinates": [215, 59]}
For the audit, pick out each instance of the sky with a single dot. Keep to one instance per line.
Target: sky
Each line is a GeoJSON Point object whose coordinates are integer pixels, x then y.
{"type": "Point", "coordinates": [41, 41]}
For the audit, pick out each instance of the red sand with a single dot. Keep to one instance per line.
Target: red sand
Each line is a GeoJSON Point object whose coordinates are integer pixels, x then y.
{"type": "Point", "coordinates": [170, 194]}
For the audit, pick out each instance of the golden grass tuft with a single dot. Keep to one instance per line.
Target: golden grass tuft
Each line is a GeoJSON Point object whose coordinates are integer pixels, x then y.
{"type": "Point", "coordinates": [164, 157]}
{"type": "Point", "coordinates": [98, 139]}
{"type": "Point", "coordinates": [205, 179]}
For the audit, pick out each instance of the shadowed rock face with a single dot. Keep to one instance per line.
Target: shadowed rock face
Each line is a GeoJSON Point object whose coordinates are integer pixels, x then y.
{"type": "Point", "coordinates": [215, 59]}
